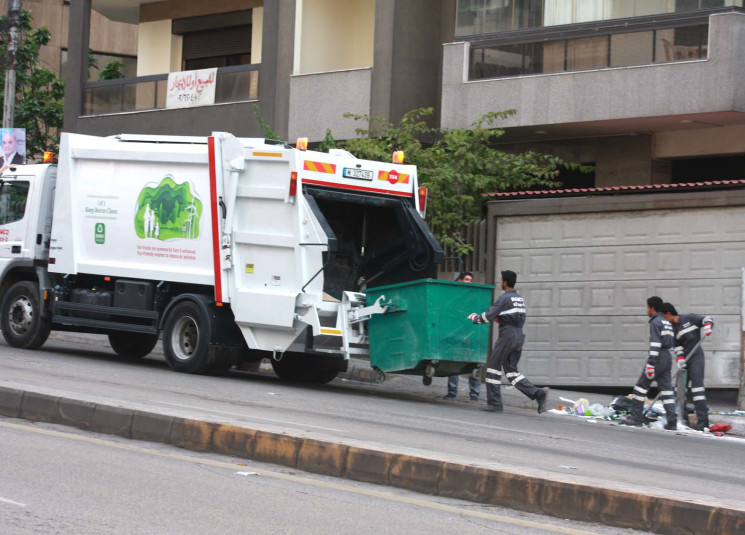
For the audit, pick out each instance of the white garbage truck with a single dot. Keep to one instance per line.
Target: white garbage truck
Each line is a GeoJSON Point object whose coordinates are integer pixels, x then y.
{"type": "Point", "coordinates": [232, 250]}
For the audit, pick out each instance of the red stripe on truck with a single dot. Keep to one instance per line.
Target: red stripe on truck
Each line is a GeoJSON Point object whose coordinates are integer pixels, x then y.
{"type": "Point", "coordinates": [215, 222]}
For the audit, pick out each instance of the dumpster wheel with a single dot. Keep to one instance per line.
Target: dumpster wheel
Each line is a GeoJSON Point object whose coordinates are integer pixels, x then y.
{"type": "Point", "coordinates": [378, 376]}
{"type": "Point", "coordinates": [429, 373]}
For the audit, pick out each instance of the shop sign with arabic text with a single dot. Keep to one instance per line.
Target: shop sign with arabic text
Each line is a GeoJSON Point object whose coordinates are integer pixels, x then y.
{"type": "Point", "coordinates": [191, 88]}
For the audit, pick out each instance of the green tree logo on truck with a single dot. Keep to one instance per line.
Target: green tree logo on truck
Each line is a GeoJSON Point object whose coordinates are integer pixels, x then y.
{"type": "Point", "coordinates": [168, 211]}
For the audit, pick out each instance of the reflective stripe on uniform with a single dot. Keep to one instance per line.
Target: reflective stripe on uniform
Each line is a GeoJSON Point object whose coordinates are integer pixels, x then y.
{"type": "Point", "coordinates": [513, 311]}
{"type": "Point", "coordinates": [655, 344]}
{"type": "Point", "coordinates": [510, 375]}
{"type": "Point", "coordinates": [493, 381]}
{"type": "Point", "coordinates": [698, 389]}
{"type": "Point", "coordinates": [638, 398]}
{"type": "Point", "coordinates": [668, 401]}
{"type": "Point", "coordinates": [666, 393]}
{"type": "Point", "coordinates": [678, 349]}
{"type": "Point", "coordinates": [483, 318]}
{"type": "Point", "coordinates": [666, 333]}
{"type": "Point", "coordinates": [640, 389]}
{"type": "Point", "coordinates": [653, 353]}
{"type": "Point", "coordinates": [699, 398]}
{"type": "Point", "coordinates": [495, 372]}
{"type": "Point", "coordinates": [517, 379]}
{"type": "Point", "coordinates": [687, 330]}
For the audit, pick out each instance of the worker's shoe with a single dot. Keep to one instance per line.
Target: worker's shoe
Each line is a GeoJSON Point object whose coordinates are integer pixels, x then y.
{"type": "Point", "coordinates": [671, 425]}
{"type": "Point", "coordinates": [542, 398]}
{"type": "Point", "coordinates": [491, 408]}
{"type": "Point", "coordinates": [449, 395]}
{"type": "Point", "coordinates": [700, 426]}
{"type": "Point", "coordinates": [474, 398]}
{"type": "Point", "coordinates": [630, 421]}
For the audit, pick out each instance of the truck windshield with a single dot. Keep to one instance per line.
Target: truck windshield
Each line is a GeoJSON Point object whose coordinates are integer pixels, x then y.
{"type": "Point", "coordinates": [13, 197]}
{"type": "Point", "coordinates": [373, 241]}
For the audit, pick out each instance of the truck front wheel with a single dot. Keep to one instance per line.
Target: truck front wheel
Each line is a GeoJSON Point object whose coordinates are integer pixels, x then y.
{"type": "Point", "coordinates": [132, 345]}
{"type": "Point", "coordinates": [185, 338]}
{"type": "Point", "coordinates": [20, 317]}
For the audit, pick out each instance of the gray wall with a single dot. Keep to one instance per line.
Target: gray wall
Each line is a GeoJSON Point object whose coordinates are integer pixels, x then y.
{"type": "Point", "coordinates": [697, 86]}
{"type": "Point", "coordinates": [319, 101]}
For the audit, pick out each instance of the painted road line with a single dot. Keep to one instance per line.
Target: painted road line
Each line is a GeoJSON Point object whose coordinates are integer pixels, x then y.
{"type": "Point", "coordinates": [11, 502]}
{"type": "Point", "coordinates": [249, 416]}
{"type": "Point", "coordinates": [387, 496]}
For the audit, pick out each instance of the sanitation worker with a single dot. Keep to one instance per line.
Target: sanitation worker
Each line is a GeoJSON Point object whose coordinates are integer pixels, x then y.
{"type": "Point", "coordinates": [474, 383]}
{"type": "Point", "coordinates": [509, 312]}
{"type": "Point", "coordinates": [688, 329]}
{"type": "Point", "coordinates": [658, 365]}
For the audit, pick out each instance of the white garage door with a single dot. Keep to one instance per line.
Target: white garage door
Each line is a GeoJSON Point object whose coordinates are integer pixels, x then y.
{"type": "Point", "coordinates": [586, 278]}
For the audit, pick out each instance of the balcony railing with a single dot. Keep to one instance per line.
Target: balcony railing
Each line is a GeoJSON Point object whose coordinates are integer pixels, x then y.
{"type": "Point", "coordinates": [233, 84]}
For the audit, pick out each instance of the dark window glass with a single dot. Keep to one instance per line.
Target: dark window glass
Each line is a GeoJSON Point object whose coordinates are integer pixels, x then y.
{"type": "Point", "coordinates": [631, 49]}
{"type": "Point", "coordinates": [222, 47]}
{"type": "Point", "coordinates": [681, 44]}
{"type": "Point", "coordinates": [13, 197]}
{"type": "Point", "coordinates": [587, 53]}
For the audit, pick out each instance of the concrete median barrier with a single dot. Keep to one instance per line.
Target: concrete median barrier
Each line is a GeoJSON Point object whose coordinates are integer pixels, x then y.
{"type": "Point", "coordinates": [430, 476]}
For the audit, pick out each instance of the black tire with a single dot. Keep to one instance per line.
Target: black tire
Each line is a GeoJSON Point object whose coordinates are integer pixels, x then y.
{"type": "Point", "coordinates": [20, 317]}
{"type": "Point", "coordinates": [186, 339]}
{"type": "Point", "coordinates": [294, 367]}
{"type": "Point", "coordinates": [325, 375]}
{"type": "Point", "coordinates": [303, 368]}
{"type": "Point", "coordinates": [132, 345]}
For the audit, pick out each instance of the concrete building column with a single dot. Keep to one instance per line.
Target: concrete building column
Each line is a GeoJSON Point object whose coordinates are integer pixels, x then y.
{"type": "Point", "coordinates": [408, 55]}
{"type": "Point", "coordinates": [628, 160]}
{"type": "Point", "coordinates": [78, 43]}
{"type": "Point", "coordinates": [277, 56]}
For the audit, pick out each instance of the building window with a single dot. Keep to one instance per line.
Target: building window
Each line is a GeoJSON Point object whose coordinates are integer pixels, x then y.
{"type": "Point", "coordinates": [478, 17]}
{"type": "Point", "coordinates": [222, 40]}
{"type": "Point", "coordinates": [618, 50]}
{"type": "Point", "coordinates": [99, 62]}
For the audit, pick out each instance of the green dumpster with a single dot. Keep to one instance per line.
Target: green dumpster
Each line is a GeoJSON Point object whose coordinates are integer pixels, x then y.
{"type": "Point", "coordinates": [425, 330]}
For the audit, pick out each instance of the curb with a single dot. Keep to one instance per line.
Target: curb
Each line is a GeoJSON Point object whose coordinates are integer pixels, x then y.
{"type": "Point", "coordinates": [429, 476]}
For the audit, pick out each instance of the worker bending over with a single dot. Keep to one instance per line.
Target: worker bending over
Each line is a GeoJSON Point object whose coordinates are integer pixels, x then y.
{"type": "Point", "coordinates": [688, 329]}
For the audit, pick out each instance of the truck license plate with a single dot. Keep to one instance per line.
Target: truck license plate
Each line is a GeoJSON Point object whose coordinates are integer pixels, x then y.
{"type": "Point", "coordinates": [360, 174]}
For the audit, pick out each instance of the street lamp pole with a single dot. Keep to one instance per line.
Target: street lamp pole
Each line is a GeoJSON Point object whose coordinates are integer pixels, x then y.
{"type": "Point", "coordinates": [14, 18]}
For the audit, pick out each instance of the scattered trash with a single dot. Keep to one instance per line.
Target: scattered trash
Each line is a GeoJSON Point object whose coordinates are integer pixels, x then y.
{"type": "Point", "coordinates": [273, 393]}
{"type": "Point", "coordinates": [568, 467]}
{"type": "Point", "coordinates": [247, 473]}
{"type": "Point", "coordinates": [729, 413]}
{"type": "Point", "coordinates": [719, 428]}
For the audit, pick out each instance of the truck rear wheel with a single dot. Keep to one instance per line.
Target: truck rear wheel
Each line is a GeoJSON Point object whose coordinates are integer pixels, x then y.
{"type": "Point", "coordinates": [20, 317]}
{"type": "Point", "coordinates": [132, 345]}
{"type": "Point", "coordinates": [186, 338]}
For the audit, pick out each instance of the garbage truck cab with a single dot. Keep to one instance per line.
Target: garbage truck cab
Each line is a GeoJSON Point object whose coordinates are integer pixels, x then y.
{"type": "Point", "coordinates": [231, 249]}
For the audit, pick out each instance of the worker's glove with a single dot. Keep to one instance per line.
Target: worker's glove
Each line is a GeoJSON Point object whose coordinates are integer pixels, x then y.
{"type": "Point", "coordinates": [474, 317]}
{"type": "Point", "coordinates": [681, 362]}
{"type": "Point", "coordinates": [649, 371]}
{"type": "Point", "coordinates": [707, 329]}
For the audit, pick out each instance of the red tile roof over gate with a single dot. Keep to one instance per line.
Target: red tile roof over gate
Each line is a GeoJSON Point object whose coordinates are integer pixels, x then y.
{"type": "Point", "coordinates": [615, 190]}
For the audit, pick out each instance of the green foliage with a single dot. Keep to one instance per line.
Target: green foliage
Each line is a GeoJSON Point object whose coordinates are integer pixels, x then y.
{"type": "Point", "coordinates": [457, 166]}
{"type": "Point", "coordinates": [39, 91]}
{"type": "Point", "coordinates": [269, 133]}
{"type": "Point", "coordinates": [112, 71]}
{"type": "Point", "coordinates": [328, 142]}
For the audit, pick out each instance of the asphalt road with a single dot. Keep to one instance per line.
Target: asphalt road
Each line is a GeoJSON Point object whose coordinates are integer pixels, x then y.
{"type": "Point", "coordinates": [56, 480]}
{"type": "Point", "coordinates": [401, 416]}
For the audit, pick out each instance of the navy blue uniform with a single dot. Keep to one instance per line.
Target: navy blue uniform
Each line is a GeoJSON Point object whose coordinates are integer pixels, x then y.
{"type": "Point", "coordinates": [509, 311]}
{"type": "Point", "coordinates": [661, 341]}
{"type": "Point", "coordinates": [687, 335]}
